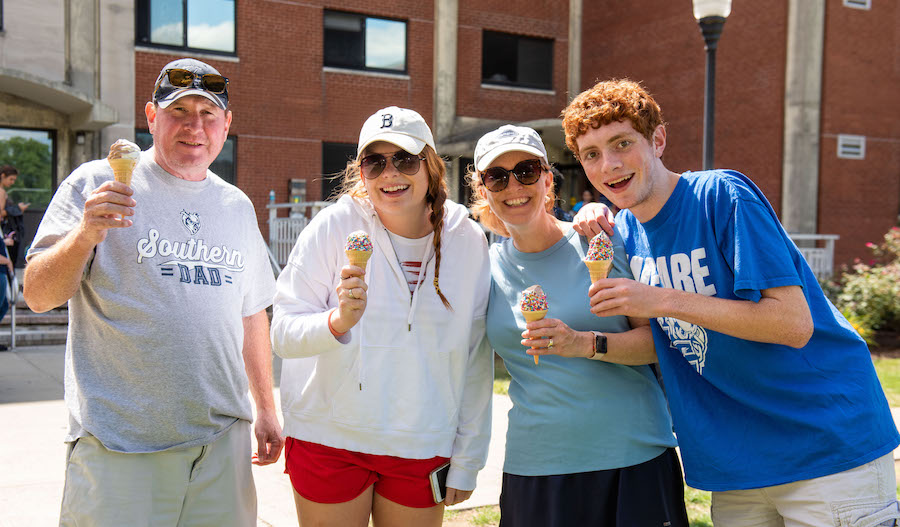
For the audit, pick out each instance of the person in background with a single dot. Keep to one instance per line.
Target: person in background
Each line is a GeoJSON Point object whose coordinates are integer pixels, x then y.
{"type": "Point", "coordinates": [590, 439]}
{"type": "Point", "coordinates": [587, 196]}
{"type": "Point", "coordinates": [387, 376]}
{"type": "Point", "coordinates": [775, 400]}
{"type": "Point", "coordinates": [167, 282]}
{"type": "Point", "coordinates": [13, 223]}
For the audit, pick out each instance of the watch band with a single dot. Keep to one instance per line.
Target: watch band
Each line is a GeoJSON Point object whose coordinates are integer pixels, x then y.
{"type": "Point", "coordinates": [599, 345]}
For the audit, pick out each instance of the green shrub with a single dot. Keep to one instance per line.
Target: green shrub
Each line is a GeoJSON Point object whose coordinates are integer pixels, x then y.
{"type": "Point", "coordinates": [869, 293]}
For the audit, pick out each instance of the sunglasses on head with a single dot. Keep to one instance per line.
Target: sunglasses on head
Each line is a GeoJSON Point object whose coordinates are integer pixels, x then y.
{"type": "Point", "coordinates": [181, 78]}
{"type": "Point", "coordinates": [374, 164]}
{"type": "Point", "coordinates": [526, 172]}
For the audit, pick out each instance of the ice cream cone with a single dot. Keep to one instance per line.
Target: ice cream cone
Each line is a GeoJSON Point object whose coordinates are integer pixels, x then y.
{"type": "Point", "coordinates": [358, 258]}
{"type": "Point", "coordinates": [598, 268]}
{"type": "Point", "coordinates": [123, 168]}
{"type": "Point", "coordinates": [531, 316]}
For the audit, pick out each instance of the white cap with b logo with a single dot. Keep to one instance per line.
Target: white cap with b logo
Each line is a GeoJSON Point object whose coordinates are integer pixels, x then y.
{"type": "Point", "coordinates": [398, 126]}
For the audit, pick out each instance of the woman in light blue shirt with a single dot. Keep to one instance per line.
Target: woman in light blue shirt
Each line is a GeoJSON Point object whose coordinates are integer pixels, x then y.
{"type": "Point", "coordinates": [590, 439]}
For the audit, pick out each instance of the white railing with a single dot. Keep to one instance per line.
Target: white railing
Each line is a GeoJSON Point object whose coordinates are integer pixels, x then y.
{"type": "Point", "coordinates": [283, 232]}
{"type": "Point", "coordinates": [818, 249]}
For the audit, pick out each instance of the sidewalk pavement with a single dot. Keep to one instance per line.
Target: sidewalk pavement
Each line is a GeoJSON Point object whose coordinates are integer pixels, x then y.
{"type": "Point", "coordinates": [32, 452]}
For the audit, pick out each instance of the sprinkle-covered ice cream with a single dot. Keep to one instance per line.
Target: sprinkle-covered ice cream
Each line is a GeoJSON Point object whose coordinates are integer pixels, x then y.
{"type": "Point", "coordinates": [599, 257]}
{"type": "Point", "coordinates": [358, 248]}
{"type": "Point", "coordinates": [534, 306]}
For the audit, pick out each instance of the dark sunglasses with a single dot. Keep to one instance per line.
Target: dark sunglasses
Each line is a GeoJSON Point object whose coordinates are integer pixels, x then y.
{"type": "Point", "coordinates": [373, 165]}
{"type": "Point", "coordinates": [180, 78]}
{"type": "Point", "coordinates": [527, 172]}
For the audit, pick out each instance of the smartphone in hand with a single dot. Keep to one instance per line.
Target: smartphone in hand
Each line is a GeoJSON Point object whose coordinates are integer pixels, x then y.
{"type": "Point", "coordinates": [438, 479]}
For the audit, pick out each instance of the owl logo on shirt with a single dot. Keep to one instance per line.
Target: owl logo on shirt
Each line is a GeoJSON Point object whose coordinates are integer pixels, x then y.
{"type": "Point", "coordinates": [690, 339]}
{"type": "Point", "coordinates": [191, 221]}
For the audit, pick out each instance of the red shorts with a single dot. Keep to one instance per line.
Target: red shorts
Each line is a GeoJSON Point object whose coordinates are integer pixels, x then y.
{"type": "Point", "coordinates": [324, 474]}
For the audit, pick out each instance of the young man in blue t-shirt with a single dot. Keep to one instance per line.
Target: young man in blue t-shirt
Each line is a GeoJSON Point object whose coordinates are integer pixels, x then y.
{"type": "Point", "coordinates": [775, 401]}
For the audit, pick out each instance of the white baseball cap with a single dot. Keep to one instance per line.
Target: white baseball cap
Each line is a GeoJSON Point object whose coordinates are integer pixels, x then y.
{"type": "Point", "coordinates": [507, 138]}
{"type": "Point", "coordinates": [398, 126]}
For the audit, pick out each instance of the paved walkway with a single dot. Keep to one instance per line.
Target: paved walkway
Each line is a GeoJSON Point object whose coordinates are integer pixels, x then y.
{"type": "Point", "coordinates": [32, 454]}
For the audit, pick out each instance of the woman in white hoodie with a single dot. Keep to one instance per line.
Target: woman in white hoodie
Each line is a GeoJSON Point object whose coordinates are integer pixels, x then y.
{"type": "Point", "coordinates": [388, 375]}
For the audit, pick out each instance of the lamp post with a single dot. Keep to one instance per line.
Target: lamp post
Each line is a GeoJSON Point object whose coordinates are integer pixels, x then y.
{"type": "Point", "coordinates": [711, 15]}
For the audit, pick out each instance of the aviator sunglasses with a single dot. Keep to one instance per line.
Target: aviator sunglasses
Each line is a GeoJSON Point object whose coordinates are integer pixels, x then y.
{"type": "Point", "coordinates": [373, 165]}
{"type": "Point", "coordinates": [526, 172]}
{"type": "Point", "coordinates": [181, 78]}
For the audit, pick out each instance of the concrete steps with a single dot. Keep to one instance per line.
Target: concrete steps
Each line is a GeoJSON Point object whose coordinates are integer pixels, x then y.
{"type": "Point", "coordinates": [35, 329]}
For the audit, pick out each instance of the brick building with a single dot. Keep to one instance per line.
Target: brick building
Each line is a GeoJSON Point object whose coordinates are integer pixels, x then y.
{"type": "Point", "coordinates": [807, 90]}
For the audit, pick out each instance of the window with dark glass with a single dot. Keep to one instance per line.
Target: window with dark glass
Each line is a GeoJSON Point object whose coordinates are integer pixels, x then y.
{"type": "Point", "coordinates": [363, 42]}
{"type": "Point", "coordinates": [207, 25]}
{"type": "Point", "coordinates": [515, 60]}
{"type": "Point", "coordinates": [223, 166]}
{"type": "Point", "coordinates": [335, 157]}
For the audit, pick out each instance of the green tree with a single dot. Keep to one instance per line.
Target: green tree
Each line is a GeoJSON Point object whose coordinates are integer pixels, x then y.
{"type": "Point", "coordinates": [34, 160]}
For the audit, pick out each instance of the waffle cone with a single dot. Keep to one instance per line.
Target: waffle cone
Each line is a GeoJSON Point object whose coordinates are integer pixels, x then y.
{"type": "Point", "coordinates": [123, 168]}
{"type": "Point", "coordinates": [598, 268]}
{"type": "Point", "coordinates": [531, 316]}
{"type": "Point", "coordinates": [359, 258]}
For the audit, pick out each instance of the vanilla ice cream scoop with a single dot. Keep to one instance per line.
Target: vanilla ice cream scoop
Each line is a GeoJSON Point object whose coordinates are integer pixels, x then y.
{"type": "Point", "coordinates": [123, 157]}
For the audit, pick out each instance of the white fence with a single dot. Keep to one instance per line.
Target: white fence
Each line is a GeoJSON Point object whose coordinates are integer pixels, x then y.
{"type": "Point", "coordinates": [818, 249]}
{"type": "Point", "coordinates": [283, 232]}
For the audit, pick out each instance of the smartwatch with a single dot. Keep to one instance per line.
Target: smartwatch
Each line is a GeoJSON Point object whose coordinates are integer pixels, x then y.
{"type": "Point", "coordinates": [599, 345]}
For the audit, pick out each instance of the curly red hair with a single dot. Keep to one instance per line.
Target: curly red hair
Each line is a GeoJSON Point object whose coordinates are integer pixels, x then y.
{"type": "Point", "coordinates": [607, 102]}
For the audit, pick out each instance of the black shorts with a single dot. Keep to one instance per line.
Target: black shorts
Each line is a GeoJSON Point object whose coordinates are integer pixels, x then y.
{"type": "Point", "coordinates": [650, 494]}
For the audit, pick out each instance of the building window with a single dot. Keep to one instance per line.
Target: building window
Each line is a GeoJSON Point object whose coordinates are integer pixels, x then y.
{"type": "Point", "coordinates": [32, 152]}
{"type": "Point", "coordinates": [205, 25]}
{"type": "Point", "coordinates": [514, 60]}
{"type": "Point", "coordinates": [364, 43]}
{"type": "Point", "coordinates": [224, 166]}
{"type": "Point", "coordinates": [335, 157]}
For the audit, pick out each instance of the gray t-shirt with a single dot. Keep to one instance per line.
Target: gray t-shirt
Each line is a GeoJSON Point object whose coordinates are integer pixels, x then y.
{"type": "Point", "coordinates": [154, 353]}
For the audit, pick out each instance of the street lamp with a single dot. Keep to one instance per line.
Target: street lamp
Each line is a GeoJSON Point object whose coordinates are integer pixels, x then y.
{"type": "Point", "coordinates": [711, 15]}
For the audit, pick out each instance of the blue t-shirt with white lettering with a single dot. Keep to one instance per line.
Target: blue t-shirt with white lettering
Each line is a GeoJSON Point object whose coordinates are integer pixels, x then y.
{"type": "Point", "coordinates": [750, 414]}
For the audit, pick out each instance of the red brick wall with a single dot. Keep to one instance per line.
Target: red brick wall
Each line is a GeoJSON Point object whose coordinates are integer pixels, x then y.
{"type": "Point", "coordinates": [541, 19]}
{"type": "Point", "coordinates": [659, 44]}
{"type": "Point", "coordinates": [860, 199]}
{"type": "Point", "coordinates": [285, 105]}
{"type": "Point", "coordinates": [280, 131]}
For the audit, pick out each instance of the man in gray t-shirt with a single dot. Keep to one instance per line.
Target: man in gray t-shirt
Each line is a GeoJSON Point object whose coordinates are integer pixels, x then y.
{"type": "Point", "coordinates": [167, 281]}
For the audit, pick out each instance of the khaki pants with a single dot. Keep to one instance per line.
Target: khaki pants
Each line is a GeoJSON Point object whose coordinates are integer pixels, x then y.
{"type": "Point", "coordinates": [864, 496]}
{"type": "Point", "coordinates": [209, 485]}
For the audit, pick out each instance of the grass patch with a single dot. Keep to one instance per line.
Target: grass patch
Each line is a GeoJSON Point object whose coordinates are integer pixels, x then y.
{"type": "Point", "coordinates": [889, 374]}
{"type": "Point", "coordinates": [697, 503]}
{"type": "Point", "coordinates": [486, 516]}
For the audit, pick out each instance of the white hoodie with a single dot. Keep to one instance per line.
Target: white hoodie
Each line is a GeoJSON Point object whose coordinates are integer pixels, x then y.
{"type": "Point", "coordinates": [412, 379]}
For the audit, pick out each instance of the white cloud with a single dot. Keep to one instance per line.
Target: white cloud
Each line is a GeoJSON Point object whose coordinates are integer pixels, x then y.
{"type": "Point", "coordinates": [219, 37]}
{"type": "Point", "coordinates": [167, 34]}
{"type": "Point", "coordinates": [385, 44]}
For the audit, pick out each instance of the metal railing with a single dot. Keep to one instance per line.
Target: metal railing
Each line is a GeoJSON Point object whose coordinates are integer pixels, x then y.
{"type": "Point", "coordinates": [817, 249]}
{"type": "Point", "coordinates": [283, 232]}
